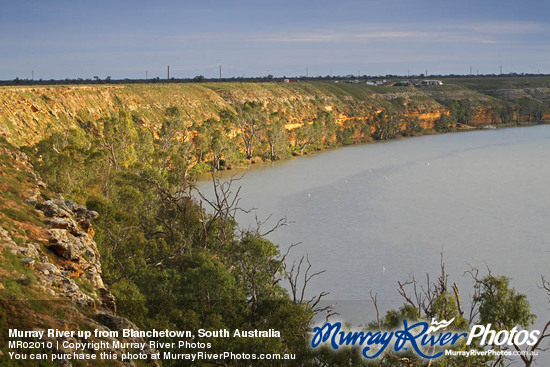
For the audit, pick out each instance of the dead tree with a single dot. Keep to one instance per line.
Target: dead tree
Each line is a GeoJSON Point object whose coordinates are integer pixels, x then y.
{"type": "Point", "coordinates": [299, 274]}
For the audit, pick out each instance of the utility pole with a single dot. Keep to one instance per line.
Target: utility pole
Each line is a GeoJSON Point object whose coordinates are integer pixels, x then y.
{"type": "Point", "coordinates": [220, 73]}
{"type": "Point", "coordinates": [470, 70]}
{"type": "Point", "coordinates": [307, 72]}
{"type": "Point", "coordinates": [146, 75]}
{"type": "Point", "coordinates": [168, 72]}
{"type": "Point", "coordinates": [500, 69]}
{"type": "Point", "coordinates": [426, 73]}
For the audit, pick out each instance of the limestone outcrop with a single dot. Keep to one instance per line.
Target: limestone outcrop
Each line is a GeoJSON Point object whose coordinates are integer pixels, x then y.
{"type": "Point", "coordinates": [50, 268]}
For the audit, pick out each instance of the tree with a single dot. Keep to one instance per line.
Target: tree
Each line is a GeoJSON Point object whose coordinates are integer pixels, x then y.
{"type": "Point", "coordinates": [176, 146]}
{"type": "Point", "coordinates": [495, 303]}
{"type": "Point", "coordinates": [412, 127]}
{"type": "Point", "coordinates": [275, 135]}
{"type": "Point", "coordinates": [385, 127]}
{"type": "Point", "coordinates": [308, 133]}
{"type": "Point", "coordinates": [257, 267]}
{"type": "Point", "coordinates": [443, 123]}
{"type": "Point", "coordinates": [200, 140]}
{"type": "Point", "coordinates": [119, 135]}
{"type": "Point", "coordinates": [326, 119]}
{"type": "Point", "coordinates": [211, 139]}
{"type": "Point", "coordinates": [506, 114]}
{"type": "Point", "coordinates": [250, 118]}
{"type": "Point", "coordinates": [460, 110]}
{"type": "Point", "coordinates": [500, 305]}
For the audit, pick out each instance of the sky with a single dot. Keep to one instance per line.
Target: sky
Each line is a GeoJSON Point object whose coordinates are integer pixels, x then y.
{"type": "Point", "coordinates": [58, 39]}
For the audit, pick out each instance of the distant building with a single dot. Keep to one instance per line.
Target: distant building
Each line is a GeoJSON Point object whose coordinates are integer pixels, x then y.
{"type": "Point", "coordinates": [378, 82]}
{"type": "Point", "coordinates": [288, 80]}
{"type": "Point", "coordinates": [428, 82]}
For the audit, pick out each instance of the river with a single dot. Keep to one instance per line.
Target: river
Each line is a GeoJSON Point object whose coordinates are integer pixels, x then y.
{"type": "Point", "coordinates": [375, 214]}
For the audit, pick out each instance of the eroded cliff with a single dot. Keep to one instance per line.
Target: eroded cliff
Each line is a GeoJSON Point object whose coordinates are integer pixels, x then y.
{"type": "Point", "coordinates": [27, 114]}
{"type": "Point", "coordinates": [50, 270]}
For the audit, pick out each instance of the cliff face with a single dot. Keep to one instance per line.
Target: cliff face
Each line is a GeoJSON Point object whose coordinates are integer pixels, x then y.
{"type": "Point", "coordinates": [27, 114]}
{"type": "Point", "coordinates": [50, 270]}
{"type": "Point", "coordinates": [427, 119]}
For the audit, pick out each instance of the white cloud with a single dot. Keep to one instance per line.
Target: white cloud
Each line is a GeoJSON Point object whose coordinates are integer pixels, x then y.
{"type": "Point", "coordinates": [485, 33]}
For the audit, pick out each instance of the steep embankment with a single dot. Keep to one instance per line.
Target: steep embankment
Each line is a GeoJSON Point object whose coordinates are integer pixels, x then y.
{"type": "Point", "coordinates": [50, 270]}
{"type": "Point", "coordinates": [29, 113]}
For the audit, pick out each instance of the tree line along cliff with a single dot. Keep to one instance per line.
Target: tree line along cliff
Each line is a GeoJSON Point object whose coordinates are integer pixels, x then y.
{"type": "Point", "coordinates": [28, 113]}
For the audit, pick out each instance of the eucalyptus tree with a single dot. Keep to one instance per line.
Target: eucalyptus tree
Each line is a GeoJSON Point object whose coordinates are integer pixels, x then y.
{"type": "Point", "coordinates": [251, 117]}
{"type": "Point", "coordinates": [275, 135]}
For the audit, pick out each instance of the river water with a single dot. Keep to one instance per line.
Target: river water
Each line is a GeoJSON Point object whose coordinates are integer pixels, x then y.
{"type": "Point", "coordinates": [375, 214]}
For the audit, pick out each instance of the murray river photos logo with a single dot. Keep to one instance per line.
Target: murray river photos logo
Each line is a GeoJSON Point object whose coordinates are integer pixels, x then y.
{"type": "Point", "coordinates": [424, 339]}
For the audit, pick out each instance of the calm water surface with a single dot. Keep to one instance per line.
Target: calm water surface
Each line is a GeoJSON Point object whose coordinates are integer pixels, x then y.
{"type": "Point", "coordinates": [375, 214]}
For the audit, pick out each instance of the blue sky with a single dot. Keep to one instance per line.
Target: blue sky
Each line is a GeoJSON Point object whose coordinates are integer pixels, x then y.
{"type": "Point", "coordinates": [122, 39]}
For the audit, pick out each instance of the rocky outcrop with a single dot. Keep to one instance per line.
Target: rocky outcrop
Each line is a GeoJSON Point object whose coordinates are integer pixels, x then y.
{"type": "Point", "coordinates": [70, 239]}
{"type": "Point", "coordinates": [77, 252]}
{"type": "Point", "coordinates": [48, 252]}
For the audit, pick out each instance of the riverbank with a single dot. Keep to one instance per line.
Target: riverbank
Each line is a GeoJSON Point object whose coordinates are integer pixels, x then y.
{"type": "Point", "coordinates": [261, 164]}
